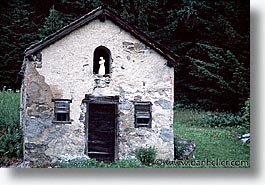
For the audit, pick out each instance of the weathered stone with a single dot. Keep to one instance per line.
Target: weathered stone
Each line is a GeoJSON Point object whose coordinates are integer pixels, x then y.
{"type": "Point", "coordinates": [128, 130]}
{"type": "Point", "coordinates": [184, 148]}
{"type": "Point", "coordinates": [139, 46]}
{"type": "Point", "coordinates": [165, 104]}
{"type": "Point", "coordinates": [126, 105]}
{"type": "Point", "coordinates": [75, 142]}
{"type": "Point", "coordinates": [42, 108]}
{"type": "Point", "coordinates": [36, 156]}
{"type": "Point", "coordinates": [41, 148]}
{"type": "Point", "coordinates": [166, 135]}
{"type": "Point", "coordinates": [123, 139]}
{"type": "Point", "coordinates": [140, 131]}
{"type": "Point", "coordinates": [67, 73]}
{"type": "Point", "coordinates": [38, 90]}
{"type": "Point", "coordinates": [137, 98]}
{"type": "Point", "coordinates": [30, 146]}
{"type": "Point", "coordinates": [82, 117]}
{"type": "Point", "coordinates": [36, 110]}
{"type": "Point", "coordinates": [122, 94]}
{"type": "Point", "coordinates": [134, 47]}
{"type": "Point", "coordinates": [126, 44]}
{"type": "Point", "coordinates": [33, 129]}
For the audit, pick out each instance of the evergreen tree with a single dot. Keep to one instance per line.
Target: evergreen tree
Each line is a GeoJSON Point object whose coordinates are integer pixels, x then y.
{"type": "Point", "coordinates": [17, 32]}
{"type": "Point", "coordinates": [211, 39]}
{"type": "Point", "coordinates": [52, 23]}
{"type": "Point", "coordinates": [211, 77]}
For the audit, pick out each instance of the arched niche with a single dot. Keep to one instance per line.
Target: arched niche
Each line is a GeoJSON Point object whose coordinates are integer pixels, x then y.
{"type": "Point", "coordinates": [104, 52]}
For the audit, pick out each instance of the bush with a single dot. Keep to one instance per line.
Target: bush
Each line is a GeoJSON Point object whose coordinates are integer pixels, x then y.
{"type": "Point", "coordinates": [215, 119]}
{"type": "Point", "coordinates": [10, 130]}
{"type": "Point", "coordinates": [146, 155]}
{"type": "Point", "coordinates": [221, 119]}
{"type": "Point", "coordinates": [184, 103]}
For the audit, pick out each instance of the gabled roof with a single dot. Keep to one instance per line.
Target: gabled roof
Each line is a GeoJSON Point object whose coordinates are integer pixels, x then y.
{"type": "Point", "coordinates": [101, 13]}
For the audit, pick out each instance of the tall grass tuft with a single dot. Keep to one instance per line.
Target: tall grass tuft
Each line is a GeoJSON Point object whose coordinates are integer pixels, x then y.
{"type": "Point", "coordinates": [10, 129]}
{"type": "Point", "coordinates": [146, 155]}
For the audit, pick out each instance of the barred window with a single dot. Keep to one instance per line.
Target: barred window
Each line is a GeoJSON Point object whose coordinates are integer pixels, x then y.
{"type": "Point", "coordinates": [62, 111]}
{"type": "Point", "coordinates": [143, 116]}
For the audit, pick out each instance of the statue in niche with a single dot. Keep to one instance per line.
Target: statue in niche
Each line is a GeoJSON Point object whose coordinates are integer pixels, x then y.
{"type": "Point", "coordinates": [101, 70]}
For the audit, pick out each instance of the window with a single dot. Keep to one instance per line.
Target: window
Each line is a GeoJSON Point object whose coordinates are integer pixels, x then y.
{"type": "Point", "coordinates": [102, 61]}
{"type": "Point", "coordinates": [143, 117]}
{"type": "Point", "coordinates": [62, 111]}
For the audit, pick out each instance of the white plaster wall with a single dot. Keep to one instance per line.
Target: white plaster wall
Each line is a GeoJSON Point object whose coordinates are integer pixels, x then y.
{"type": "Point", "coordinates": [67, 66]}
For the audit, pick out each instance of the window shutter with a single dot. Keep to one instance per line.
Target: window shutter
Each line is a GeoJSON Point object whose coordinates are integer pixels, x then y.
{"type": "Point", "coordinates": [62, 111]}
{"type": "Point", "coordinates": [61, 107]}
{"type": "Point", "coordinates": [143, 116]}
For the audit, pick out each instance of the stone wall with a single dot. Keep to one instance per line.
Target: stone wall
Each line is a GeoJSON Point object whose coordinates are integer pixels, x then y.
{"type": "Point", "coordinates": [66, 71]}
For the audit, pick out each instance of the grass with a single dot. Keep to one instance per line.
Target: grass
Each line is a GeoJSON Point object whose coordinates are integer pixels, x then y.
{"type": "Point", "coordinates": [9, 107]}
{"type": "Point", "coordinates": [211, 143]}
{"type": "Point", "coordinates": [10, 130]}
{"type": "Point", "coordinates": [218, 143]}
{"type": "Point", "coordinates": [93, 163]}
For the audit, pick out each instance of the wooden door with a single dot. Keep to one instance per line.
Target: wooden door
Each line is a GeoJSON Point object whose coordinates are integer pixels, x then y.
{"type": "Point", "coordinates": [101, 131]}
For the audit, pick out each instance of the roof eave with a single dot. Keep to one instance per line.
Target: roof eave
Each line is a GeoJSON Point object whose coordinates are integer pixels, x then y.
{"type": "Point", "coordinates": [113, 17]}
{"type": "Point", "coordinates": [63, 31]}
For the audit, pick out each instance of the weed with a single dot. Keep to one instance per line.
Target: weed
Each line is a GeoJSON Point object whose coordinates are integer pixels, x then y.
{"type": "Point", "coordinates": [10, 130]}
{"type": "Point", "coordinates": [146, 155]}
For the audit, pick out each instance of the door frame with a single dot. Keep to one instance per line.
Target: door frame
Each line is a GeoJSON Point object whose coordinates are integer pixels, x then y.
{"type": "Point", "coordinates": [114, 100]}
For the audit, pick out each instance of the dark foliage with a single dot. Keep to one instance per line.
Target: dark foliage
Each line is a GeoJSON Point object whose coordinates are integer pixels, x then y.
{"type": "Point", "coordinates": [210, 37]}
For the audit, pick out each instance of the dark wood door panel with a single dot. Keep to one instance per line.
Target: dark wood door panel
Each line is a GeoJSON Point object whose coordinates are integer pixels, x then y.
{"type": "Point", "coordinates": [101, 131]}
